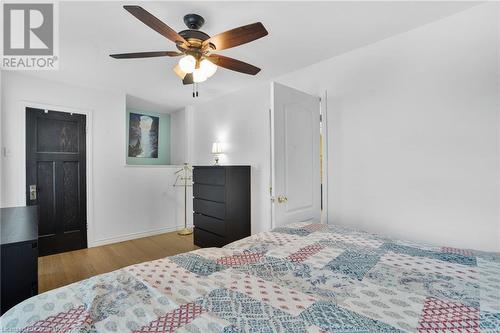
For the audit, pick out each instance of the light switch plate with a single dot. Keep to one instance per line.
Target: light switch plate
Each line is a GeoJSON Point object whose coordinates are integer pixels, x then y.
{"type": "Point", "coordinates": [6, 152]}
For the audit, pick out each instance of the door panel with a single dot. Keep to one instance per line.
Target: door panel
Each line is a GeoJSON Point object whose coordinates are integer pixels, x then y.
{"type": "Point", "coordinates": [296, 157]}
{"type": "Point", "coordinates": [55, 163]}
{"type": "Point", "coordinates": [57, 136]}
{"type": "Point", "coordinates": [71, 189]}
{"type": "Point", "coordinates": [46, 197]}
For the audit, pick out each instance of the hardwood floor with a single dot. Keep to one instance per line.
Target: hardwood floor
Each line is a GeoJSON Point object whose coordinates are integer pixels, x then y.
{"type": "Point", "coordinates": [61, 269]}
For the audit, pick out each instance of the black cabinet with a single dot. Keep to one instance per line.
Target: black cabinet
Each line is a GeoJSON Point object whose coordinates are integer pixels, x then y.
{"type": "Point", "coordinates": [221, 204]}
{"type": "Point", "coordinates": [19, 255]}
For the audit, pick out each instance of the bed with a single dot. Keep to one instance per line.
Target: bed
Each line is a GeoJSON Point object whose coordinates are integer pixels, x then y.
{"type": "Point", "coordinates": [299, 278]}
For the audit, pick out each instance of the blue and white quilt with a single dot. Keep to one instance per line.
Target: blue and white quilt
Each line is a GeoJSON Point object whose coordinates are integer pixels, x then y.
{"type": "Point", "coordinates": [299, 278]}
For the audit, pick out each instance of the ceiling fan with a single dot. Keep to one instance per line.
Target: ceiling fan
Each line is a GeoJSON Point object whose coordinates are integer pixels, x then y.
{"type": "Point", "coordinates": [198, 61]}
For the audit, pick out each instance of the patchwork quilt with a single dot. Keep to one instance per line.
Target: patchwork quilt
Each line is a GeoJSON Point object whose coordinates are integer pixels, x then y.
{"type": "Point", "coordinates": [299, 278]}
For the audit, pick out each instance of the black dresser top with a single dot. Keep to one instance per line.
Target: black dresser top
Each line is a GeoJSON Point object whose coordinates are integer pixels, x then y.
{"type": "Point", "coordinates": [18, 224]}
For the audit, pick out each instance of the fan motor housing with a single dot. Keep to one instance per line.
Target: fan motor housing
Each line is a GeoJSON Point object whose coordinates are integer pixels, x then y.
{"type": "Point", "coordinates": [194, 37]}
{"type": "Point", "coordinates": [194, 21]}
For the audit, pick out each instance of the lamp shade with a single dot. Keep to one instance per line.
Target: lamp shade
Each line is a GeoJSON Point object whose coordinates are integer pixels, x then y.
{"type": "Point", "coordinates": [179, 72]}
{"type": "Point", "coordinates": [187, 64]}
{"type": "Point", "coordinates": [208, 67]}
{"type": "Point", "coordinates": [199, 75]}
{"type": "Point", "coordinates": [216, 148]}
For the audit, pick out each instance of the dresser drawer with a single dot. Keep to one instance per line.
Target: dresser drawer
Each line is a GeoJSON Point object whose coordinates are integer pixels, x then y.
{"type": "Point", "coordinates": [209, 192]}
{"type": "Point", "coordinates": [214, 176]}
{"type": "Point", "coordinates": [210, 224]}
{"type": "Point", "coordinates": [204, 238]}
{"type": "Point", "coordinates": [210, 208]}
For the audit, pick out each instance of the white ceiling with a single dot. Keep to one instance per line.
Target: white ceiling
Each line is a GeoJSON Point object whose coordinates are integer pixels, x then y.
{"type": "Point", "coordinates": [300, 34]}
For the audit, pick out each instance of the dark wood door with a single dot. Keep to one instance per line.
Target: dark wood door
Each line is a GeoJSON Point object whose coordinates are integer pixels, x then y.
{"type": "Point", "coordinates": [55, 164]}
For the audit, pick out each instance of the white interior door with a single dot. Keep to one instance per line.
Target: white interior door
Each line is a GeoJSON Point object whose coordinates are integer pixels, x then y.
{"type": "Point", "coordinates": [295, 135]}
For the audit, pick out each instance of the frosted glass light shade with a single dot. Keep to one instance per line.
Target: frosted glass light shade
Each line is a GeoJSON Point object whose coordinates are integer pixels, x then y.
{"type": "Point", "coordinates": [216, 148]}
{"type": "Point", "coordinates": [199, 75]}
{"type": "Point", "coordinates": [187, 64]}
{"type": "Point", "coordinates": [179, 72]}
{"type": "Point", "coordinates": [208, 67]}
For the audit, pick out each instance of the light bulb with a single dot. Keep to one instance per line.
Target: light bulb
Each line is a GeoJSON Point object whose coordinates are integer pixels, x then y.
{"type": "Point", "coordinates": [199, 75]}
{"type": "Point", "coordinates": [187, 64]}
{"type": "Point", "coordinates": [208, 67]}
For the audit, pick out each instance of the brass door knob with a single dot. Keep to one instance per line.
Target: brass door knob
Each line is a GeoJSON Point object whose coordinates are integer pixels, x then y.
{"type": "Point", "coordinates": [282, 199]}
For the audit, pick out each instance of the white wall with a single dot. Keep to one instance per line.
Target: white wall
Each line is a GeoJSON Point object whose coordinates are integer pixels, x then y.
{"type": "Point", "coordinates": [240, 121]}
{"type": "Point", "coordinates": [413, 125]}
{"type": "Point", "coordinates": [413, 139]}
{"type": "Point", "coordinates": [2, 151]}
{"type": "Point", "coordinates": [128, 201]}
{"type": "Point", "coordinates": [178, 137]}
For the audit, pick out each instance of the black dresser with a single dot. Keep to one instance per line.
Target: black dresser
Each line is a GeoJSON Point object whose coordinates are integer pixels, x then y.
{"type": "Point", "coordinates": [19, 255]}
{"type": "Point", "coordinates": [221, 204]}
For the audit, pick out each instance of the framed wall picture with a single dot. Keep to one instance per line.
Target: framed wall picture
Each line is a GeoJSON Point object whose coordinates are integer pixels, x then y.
{"type": "Point", "coordinates": [148, 138]}
{"type": "Point", "coordinates": [143, 135]}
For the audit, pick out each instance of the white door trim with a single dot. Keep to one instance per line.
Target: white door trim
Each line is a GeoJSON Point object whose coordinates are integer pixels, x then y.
{"type": "Point", "coordinates": [324, 132]}
{"type": "Point", "coordinates": [271, 164]}
{"type": "Point", "coordinates": [89, 162]}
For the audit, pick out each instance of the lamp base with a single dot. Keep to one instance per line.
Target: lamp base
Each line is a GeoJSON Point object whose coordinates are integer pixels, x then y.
{"type": "Point", "coordinates": [185, 232]}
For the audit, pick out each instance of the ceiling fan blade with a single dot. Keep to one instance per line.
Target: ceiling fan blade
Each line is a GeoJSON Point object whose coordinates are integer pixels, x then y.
{"type": "Point", "coordinates": [233, 64]}
{"type": "Point", "coordinates": [154, 23]}
{"type": "Point", "coordinates": [145, 54]}
{"type": "Point", "coordinates": [237, 36]}
{"type": "Point", "coordinates": [188, 79]}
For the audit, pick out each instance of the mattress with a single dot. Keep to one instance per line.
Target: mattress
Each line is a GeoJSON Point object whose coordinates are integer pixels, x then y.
{"type": "Point", "coordinates": [298, 278]}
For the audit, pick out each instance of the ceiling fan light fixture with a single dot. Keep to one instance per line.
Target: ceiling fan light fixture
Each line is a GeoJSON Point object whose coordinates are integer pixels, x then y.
{"type": "Point", "coordinates": [187, 64]}
{"type": "Point", "coordinates": [197, 62]}
{"type": "Point", "coordinates": [208, 67]}
{"type": "Point", "coordinates": [199, 75]}
{"type": "Point", "coordinates": [179, 72]}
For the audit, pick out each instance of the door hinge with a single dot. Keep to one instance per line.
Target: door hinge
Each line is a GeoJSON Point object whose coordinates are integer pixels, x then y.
{"type": "Point", "coordinates": [320, 118]}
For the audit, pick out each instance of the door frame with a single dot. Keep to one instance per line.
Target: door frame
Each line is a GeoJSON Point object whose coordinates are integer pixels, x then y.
{"type": "Point", "coordinates": [324, 133]}
{"type": "Point", "coordinates": [323, 104]}
{"type": "Point", "coordinates": [88, 158]}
